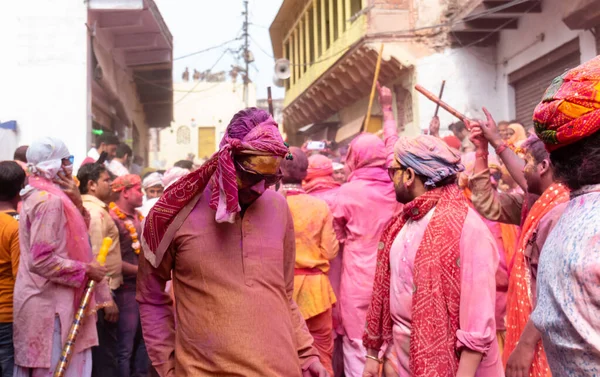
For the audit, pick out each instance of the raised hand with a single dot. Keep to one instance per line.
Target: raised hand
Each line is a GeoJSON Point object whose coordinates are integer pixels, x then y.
{"type": "Point", "coordinates": [434, 126]}
{"type": "Point", "coordinates": [490, 130]}
{"type": "Point", "coordinates": [385, 96]}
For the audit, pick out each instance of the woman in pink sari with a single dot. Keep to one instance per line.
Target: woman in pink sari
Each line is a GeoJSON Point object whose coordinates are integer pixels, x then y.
{"type": "Point", "coordinates": [56, 263]}
{"type": "Point", "coordinates": [363, 207]}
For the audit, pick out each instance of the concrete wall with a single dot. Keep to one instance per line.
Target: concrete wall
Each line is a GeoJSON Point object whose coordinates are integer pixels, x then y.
{"type": "Point", "coordinates": [43, 72]}
{"type": "Point", "coordinates": [477, 77]}
{"type": "Point", "coordinates": [470, 84]}
{"type": "Point", "coordinates": [210, 105]}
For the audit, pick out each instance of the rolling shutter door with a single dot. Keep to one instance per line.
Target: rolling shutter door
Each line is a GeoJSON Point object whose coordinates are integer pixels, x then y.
{"type": "Point", "coordinates": [531, 81]}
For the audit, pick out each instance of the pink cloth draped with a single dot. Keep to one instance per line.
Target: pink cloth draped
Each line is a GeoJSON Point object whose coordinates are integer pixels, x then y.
{"type": "Point", "coordinates": [261, 139]}
{"type": "Point", "coordinates": [366, 150]}
{"type": "Point", "coordinates": [362, 208]}
{"type": "Point", "coordinates": [319, 166]}
{"type": "Point", "coordinates": [319, 177]}
{"type": "Point", "coordinates": [78, 247]}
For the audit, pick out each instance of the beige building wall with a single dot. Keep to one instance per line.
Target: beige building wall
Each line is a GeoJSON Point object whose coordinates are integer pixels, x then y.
{"type": "Point", "coordinates": [202, 111]}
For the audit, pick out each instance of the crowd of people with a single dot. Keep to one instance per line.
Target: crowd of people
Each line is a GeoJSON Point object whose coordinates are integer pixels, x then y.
{"type": "Point", "coordinates": [408, 256]}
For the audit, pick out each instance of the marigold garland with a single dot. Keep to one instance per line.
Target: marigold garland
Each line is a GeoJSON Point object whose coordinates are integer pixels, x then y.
{"type": "Point", "coordinates": [129, 226]}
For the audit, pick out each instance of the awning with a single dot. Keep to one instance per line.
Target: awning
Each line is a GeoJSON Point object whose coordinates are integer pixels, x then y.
{"type": "Point", "coordinates": [134, 48]}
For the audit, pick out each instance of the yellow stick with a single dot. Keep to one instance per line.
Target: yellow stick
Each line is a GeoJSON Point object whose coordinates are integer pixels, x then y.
{"type": "Point", "coordinates": [377, 69]}
{"type": "Point", "coordinates": [67, 351]}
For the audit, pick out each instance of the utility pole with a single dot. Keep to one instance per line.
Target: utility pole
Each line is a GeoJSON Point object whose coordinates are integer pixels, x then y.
{"type": "Point", "coordinates": [246, 53]}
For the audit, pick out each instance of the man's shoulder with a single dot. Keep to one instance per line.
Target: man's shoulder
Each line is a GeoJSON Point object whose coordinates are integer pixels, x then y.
{"type": "Point", "coordinates": [9, 221]}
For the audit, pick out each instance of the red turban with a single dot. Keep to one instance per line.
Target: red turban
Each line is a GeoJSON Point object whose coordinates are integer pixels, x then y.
{"type": "Point", "coordinates": [319, 166]}
{"type": "Point", "coordinates": [570, 108]}
{"type": "Point", "coordinates": [452, 141]}
{"type": "Point", "coordinates": [125, 182]}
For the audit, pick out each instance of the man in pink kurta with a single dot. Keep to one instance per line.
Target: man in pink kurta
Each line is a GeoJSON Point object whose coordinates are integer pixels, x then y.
{"type": "Point", "coordinates": [363, 206]}
{"type": "Point", "coordinates": [56, 263]}
{"type": "Point", "coordinates": [434, 295]}
{"type": "Point", "coordinates": [228, 244]}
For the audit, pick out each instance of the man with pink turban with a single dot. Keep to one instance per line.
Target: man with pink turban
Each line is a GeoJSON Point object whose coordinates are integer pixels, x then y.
{"type": "Point", "coordinates": [228, 244]}
{"type": "Point", "coordinates": [319, 180]}
{"type": "Point", "coordinates": [362, 208]}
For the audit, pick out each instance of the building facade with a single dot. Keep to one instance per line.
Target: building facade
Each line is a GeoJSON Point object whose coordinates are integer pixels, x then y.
{"type": "Point", "coordinates": [202, 111]}
{"type": "Point", "coordinates": [73, 70]}
{"type": "Point", "coordinates": [500, 54]}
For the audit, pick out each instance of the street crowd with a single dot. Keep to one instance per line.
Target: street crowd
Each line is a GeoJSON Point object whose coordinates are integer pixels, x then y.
{"type": "Point", "coordinates": [476, 254]}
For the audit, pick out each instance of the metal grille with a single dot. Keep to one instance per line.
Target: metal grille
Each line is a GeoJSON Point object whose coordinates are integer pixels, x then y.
{"type": "Point", "coordinates": [530, 89]}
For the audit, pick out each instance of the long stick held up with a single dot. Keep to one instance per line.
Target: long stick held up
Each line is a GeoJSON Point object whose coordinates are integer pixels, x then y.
{"type": "Point", "coordinates": [441, 103]}
{"type": "Point", "coordinates": [373, 88]}
{"type": "Point", "coordinates": [437, 108]}
{"type": "Point", "coordinates": [67, 351]}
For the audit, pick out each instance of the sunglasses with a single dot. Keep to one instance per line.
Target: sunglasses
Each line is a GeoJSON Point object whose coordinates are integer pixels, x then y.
{"type": "Point", "coordinates": [252, 177]}
{"type": "Point", "coordinates": [71, 159]}
{"type": "Point", "coordinates": [392, 171]}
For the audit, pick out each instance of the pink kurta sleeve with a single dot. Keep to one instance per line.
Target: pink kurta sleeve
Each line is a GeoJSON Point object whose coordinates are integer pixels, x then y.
{"type": "Point", "coordinates": [390, 133]}
{"type": "Point", "coordinates": [478, 262]}
{"type": "Point", "coordinates": [47, 226]}
{"type": "Point", "coordinates": [340, 219]}
{"type": "Point", "coordinates": [307, 353]}
{"type": "Point", "coordinates": [156, 313]}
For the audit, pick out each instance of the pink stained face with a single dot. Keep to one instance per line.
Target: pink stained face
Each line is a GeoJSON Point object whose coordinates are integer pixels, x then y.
{"type": "Point", "coordinates": [134, 196]}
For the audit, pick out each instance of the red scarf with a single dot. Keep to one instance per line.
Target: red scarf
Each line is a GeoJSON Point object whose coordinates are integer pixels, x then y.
{"type": "Point", "coordinates": [519, 300]}
{"type": "Point", "coordinates": [436, 300]}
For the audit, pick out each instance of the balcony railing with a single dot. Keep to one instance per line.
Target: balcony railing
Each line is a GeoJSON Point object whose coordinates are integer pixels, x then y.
{"type": "Point", "coordinates": [321, 34]}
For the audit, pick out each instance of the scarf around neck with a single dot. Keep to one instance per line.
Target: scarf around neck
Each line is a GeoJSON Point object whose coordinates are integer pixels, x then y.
{"type": "Point", "coordinates": [519, 300]}
{"type": "Point", "coordinates": [264, 139]}
{"type": "Point", "coordinates": [436, 297]}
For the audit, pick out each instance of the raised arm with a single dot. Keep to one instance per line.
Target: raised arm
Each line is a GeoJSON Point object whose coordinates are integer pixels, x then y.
{"type": "Point", "coordinates": [390, 127]}
{"type": "Point", "coordinates": [156, 313]}
{"type": "Point", "coordinates": [514, 164]}
{"type": "Point", "coordinates": [491, 204]}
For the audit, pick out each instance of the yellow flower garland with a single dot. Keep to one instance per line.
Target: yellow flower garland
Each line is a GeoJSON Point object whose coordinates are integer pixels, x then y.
{"type": "Point", "coordinates": [137, 247]}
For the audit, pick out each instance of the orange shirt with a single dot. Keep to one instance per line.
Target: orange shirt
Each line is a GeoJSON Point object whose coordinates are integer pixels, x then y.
{"type": "Point", "coordinates": [9, 263]}
{"type": "Point", "coordinates": [316, 245]}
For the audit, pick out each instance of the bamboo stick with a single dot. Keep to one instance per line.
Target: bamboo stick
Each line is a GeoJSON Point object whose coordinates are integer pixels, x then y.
{"type": "Point", "coordinates": [67, 351]}
{"type": "Point", "coordinates": [373, 88]}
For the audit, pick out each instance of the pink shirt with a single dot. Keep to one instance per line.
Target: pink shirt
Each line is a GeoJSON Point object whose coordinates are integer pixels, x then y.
{"type": "Point", "coordinates": [479, 261]}
{"type": "Point", "coordinates": [363, 207]}
{"type": "Point", "coordinates": [233, 287]}
{"type": "Point", "coordinates": [45, 282]}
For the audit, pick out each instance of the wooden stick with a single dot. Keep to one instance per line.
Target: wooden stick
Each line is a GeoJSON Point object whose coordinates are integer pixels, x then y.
{"type": "Point", "coordinates": [270, 101]}
{"type": "Point", "coordinates": [373, 88]}
{"type": "Point", "coordinates": [441, 103]}
{"type": "Point", "coordinates": [437, 108]}
{"type": "Point", "coordinates": [69, 347]}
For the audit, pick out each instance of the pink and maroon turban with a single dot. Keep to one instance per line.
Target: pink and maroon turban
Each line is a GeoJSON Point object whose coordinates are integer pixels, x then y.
{"type": "Point", "coordinates": [251, 131]}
